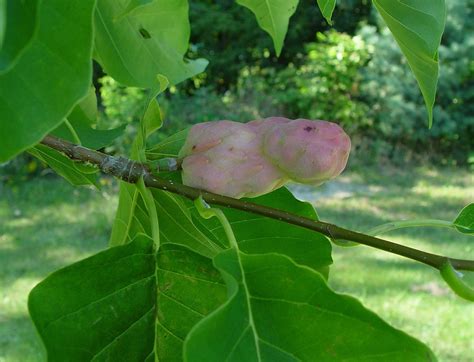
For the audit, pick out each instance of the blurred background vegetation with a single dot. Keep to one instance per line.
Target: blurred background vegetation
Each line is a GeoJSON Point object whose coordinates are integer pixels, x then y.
{"type": "Point", "coordinates": [352, 73]}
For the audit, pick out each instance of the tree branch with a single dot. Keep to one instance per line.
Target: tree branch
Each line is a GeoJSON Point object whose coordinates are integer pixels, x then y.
{"type": "Point", "coordinates": [131, 171]}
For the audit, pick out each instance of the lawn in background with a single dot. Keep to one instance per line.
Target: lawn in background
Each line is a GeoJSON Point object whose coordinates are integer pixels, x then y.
{"type": "Point", "coordinates": [46, 224]}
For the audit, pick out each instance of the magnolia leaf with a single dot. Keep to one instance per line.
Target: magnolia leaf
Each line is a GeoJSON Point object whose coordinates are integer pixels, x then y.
{"type": "Point", "coordinates": [125, 303]}
{"type": "Point", "coordinates": [33, 99]}
{"type": "Point", "coordinates": [417, 26]}
{"type": "Point", "coordinates": [18, 25]}
{"type": "Point", "coordinates": [279, 311]}
{"type": "Point", "coordinates": [132, 5]}
{"type": "Point", "coordinates": [152, 39]}
{"type": "Point", "coordinates": [131, 218]}
{"type": "Point", "coordinates": [272, 16]}
{"type": "Point", "coordinates": [169, 147]}
{"type": "Point", "coordinates": [151, 119]}
{"type": "Point", "coordinates": [464, 222]}
{"type": "Point", "coordinates": [327, 8]}
{"type": "Point", "coordinates": [81, 121]}
{"type": "Point", "coordinates": [258, 234]}
{"type": "Point", "coordinates": [74, 172]}
{"type": "Point", "coordinates": [178, 227]}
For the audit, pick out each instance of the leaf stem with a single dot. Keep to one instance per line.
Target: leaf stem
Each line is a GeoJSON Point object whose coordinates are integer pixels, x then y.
{"type": "Point", "coordinates": [207, 212]}
{"type": "Point", "coordinates": [394, 225]}
{"type": "Point", "coordinates": [453, 279]}
{"type": "Point", "coordinates": [151, 207]}
{"type": "Point", "coordinates": [131, 171]}
{"type": "Point", "coordinates": [71, 129]}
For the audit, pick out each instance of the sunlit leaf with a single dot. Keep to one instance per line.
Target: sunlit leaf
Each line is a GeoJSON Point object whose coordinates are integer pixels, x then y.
{"type": "Point", "coordinates": [132, 5]}
{"type": "Point", "coordinates": [327, 8]}
{"type": "Point", "coordinates": [465, 220]}
{"type": "Point", "coordinates": [417, 26]}
{"type": "Point", "coordinates": [152, 39]}
{"type": "Point", "coordinates": [272, 16]}
{"type": "Point", "coordinates": [50, 76]}
{"type": "Point", "coordinates": [279, 311]}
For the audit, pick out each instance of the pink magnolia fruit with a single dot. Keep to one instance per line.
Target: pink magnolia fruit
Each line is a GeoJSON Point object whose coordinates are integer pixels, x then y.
{"type": "Point", "coordinates": [225, 157]}
{"type": "Point", "coordinates": [307, 151]}
{"type": "Point", "coordinates": [248, 160]}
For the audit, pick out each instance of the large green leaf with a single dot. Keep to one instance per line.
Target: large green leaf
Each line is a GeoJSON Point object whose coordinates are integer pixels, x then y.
{"type": "Point", "coordinates": [258, 234]}
{"type": "Point", "coordinates": [151, 39]}
{"type": "Point", "coordinates": [33, 98]}
{"type": "Point", "coordinates": [126, 303]}
{"type": "Point", "coordinates": [272, 16]}
{"type": "Point", "coordinates": [327, 8]}
{"type": "Point", "coordinates": [417, 26]}
{"type": "Point", "coordinates": [279, 311]}
{"type": "Point", "coordinates": [18, 23]}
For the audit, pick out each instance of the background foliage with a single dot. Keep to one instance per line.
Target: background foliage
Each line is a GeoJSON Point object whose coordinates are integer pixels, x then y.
{"type": "Point", "coordinates": [333, 74]}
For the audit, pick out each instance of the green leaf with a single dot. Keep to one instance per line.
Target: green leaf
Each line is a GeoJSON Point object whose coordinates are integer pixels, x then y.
{"type": "Point", "coordinates": [74, 172]}
{"type": "Point", "coordinates": [258, 234]}
{"type": "Point", "coordinates": [279, 311]}
{"type": "Point", "coordinates": [132, 4]}
{"type": "Point", "coordinates": [189, 289]}
{"type": "Point", "coordinates": [272, 16]}
{"type": "Point", "coordinates": [18, 25]}
{"type": "Point", "coordinates": [169, 147]}
{"type": "Point", "coordinates": [3, 21]}
{"type": "Point", "coordinates": [33, 99]}
{"type": "Point", "coordinates": [131, 219]}
{"type": "Point", "coordinates": [464, 222]}
{"type": "Point", "coordinates": [82, 119]}
{"type": "Point", "coordinates": [417, 26]}
{"type": "Point", "coordinates": [152, 39]}
{"type": "Point", "coordinates": [327, 8]}
{"type": "Point", "coordinates": [150, 121]}
{"type": "Point", "coordinates": [178, 227]}
{"type": "Point", "coordinates": [126, 303]}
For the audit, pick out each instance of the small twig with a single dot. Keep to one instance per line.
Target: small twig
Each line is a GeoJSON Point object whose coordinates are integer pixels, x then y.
{"type": "Point", "coordinates": [131, 171]}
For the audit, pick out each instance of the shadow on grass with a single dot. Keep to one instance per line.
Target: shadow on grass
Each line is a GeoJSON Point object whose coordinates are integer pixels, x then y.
{"type": "Point", "coordinates": [15, 330]}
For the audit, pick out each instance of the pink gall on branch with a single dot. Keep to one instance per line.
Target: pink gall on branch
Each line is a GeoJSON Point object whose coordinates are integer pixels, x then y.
{"type": "Point", "coordinates": [248, 160]}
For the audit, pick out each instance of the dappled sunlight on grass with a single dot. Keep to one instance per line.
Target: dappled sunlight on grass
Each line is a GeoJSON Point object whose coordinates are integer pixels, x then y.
{"type": "Point", "coordinates": [407, 294]}
{"type": "Point", "coordinates": [45, 225]}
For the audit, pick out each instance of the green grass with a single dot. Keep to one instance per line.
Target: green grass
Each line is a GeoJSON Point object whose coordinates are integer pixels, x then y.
{"type": "Point", "coordinates": [46, 224]}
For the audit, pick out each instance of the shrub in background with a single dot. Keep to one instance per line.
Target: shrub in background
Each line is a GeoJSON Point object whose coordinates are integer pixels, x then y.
{"type": "Point", "coordinates": [397, 106]}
